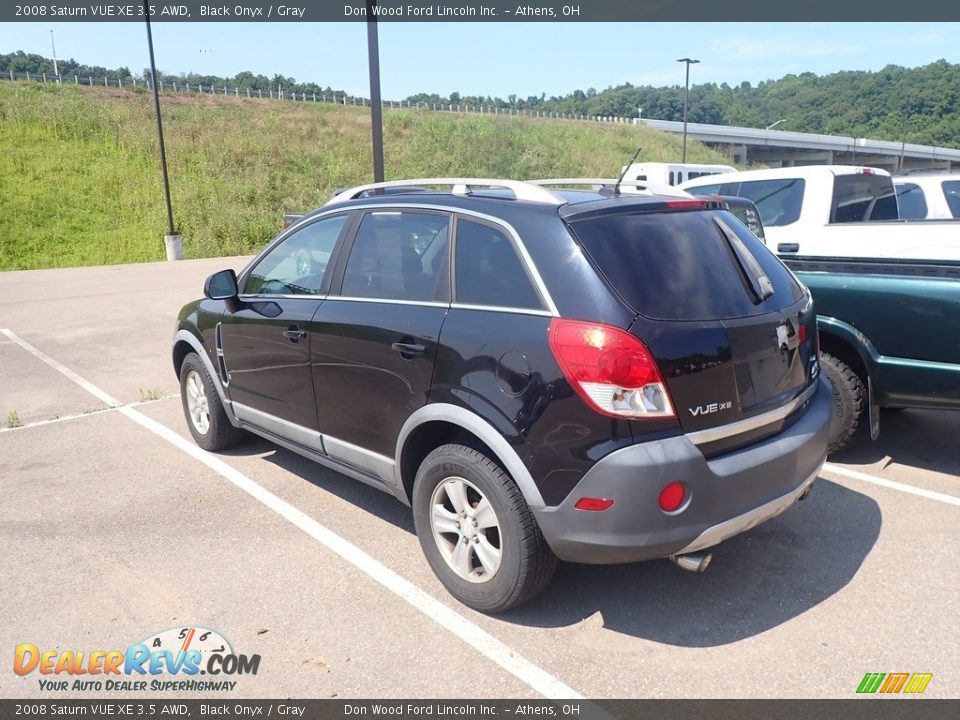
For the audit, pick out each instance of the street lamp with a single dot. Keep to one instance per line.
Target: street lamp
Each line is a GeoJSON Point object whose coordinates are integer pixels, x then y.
{"type": "Point", "coordinates": [640, 114]}
{"type": "Point", "coordinates": [771, 127]}
{"type": "Point", "coordinates": [686, 101]}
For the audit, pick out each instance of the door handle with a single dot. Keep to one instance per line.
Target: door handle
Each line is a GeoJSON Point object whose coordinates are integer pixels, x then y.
{"type": "Point", "coordinates": [788, 247]}
{"type": "Point", "coordinates": [294, 334]}
{"type": "Point", "coordinates": [409, 348]}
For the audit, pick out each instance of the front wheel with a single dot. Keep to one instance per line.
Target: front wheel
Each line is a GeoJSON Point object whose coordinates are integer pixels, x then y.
{"type": "Point", "coordinates": [206, 418]}
{"type": "Point", "coordinates": [477, 532]}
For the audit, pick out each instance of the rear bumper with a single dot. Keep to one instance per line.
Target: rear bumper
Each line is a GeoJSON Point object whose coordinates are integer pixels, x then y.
{"type": "Point", "coordinates": [727, 495]}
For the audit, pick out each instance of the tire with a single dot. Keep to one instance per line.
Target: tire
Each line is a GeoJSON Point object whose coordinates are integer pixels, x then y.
{"type": "Point", "coordinates": [848, 395]}
{"type": "Point", "coordinates": [206, 418]}
{"type": "Point", "coordinates": [508, 561]}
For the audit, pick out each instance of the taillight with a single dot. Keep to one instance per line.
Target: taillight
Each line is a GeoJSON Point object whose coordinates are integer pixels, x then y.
{"type": "Point", "coordinates": [802, 333]}
{"type": "Point", "coordinates": [610, 369]}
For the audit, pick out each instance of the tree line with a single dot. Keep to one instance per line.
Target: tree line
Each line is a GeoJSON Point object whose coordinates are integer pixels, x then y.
{"type": "Point", "coordinates": [920, 105]}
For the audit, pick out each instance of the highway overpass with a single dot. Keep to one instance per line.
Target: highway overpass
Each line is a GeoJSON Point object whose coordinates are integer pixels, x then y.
{"type": "Point", "coordinates": [782, 148]}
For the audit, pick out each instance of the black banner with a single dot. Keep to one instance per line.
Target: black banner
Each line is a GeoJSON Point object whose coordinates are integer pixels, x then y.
{"type": "Point", "coordinates": [855, 709]}
{"type": "Point", "coordinates": [482, 11]}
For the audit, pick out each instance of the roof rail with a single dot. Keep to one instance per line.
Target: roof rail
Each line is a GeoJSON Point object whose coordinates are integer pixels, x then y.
{"type": "Point", "coordinates": [642, 187]}
{"type": "Point", "coordinates": [461, 186]}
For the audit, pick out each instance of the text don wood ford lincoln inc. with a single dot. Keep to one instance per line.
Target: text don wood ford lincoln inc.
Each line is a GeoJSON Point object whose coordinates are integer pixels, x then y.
{"type": "Point", "coordinates": [190, 652]}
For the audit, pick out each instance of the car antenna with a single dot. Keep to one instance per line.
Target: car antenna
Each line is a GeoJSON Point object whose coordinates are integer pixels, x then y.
{"type": "Point", "coordinates": [616, 188]}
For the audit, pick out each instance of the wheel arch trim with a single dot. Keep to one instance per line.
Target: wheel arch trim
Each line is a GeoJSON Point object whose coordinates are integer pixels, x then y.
{"type": "Point", "coordinates": [194, 342]}
{"type": "Point", "coordinates": [848, 334]}
{"type": "Point", "coordinates": [476, 425]}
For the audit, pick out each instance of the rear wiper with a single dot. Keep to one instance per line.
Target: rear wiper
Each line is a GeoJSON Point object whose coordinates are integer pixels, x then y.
{"type": "Point", "coordinates": [757, 279]}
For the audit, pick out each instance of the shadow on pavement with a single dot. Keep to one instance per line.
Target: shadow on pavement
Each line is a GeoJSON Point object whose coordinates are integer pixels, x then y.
{"type": "Point", "coordinates": [924, 439]}
{"type": "Point", "coordinates": [756, 582]}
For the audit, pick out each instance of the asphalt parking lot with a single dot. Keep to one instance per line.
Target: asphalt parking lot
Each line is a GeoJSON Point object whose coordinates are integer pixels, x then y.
{"type": "Point", "coordinates": [116, 527]}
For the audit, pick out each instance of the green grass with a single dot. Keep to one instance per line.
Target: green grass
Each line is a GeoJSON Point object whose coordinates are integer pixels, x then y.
{"type": "Point", "coordinates": [80, 182]}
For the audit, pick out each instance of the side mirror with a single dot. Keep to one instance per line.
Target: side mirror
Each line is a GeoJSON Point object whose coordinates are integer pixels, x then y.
{"type": "Point", "coordinates": [221, 285]}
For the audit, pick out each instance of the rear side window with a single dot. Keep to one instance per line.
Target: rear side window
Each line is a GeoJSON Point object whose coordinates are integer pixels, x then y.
{"type": "Point", "coordinates": [488, 270]}
{"type": "Point", "coordinates": [911, 202]}
{"type": "Point", "coordinates": [397, 256]}
{"type": "Point", "coordinates": [860, 197]}
{"type": "Point", "coordinates": [951, 191]}
{"type": "Point", "coordinates": [680, 266]}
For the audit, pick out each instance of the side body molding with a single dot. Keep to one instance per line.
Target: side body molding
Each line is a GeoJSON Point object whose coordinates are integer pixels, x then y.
{"type": "Point", "coordinates": [475, 424]}
{"type": "Point", "coordinates": [194, 342]}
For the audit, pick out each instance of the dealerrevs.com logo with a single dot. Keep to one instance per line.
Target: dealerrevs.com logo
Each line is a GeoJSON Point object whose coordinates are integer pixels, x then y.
{"type": "Point", "coordinates": [147, 665]}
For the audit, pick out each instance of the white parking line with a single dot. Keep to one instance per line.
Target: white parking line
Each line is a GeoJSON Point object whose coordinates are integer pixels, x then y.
{"type": "Point", "coordinates": [892, 484]}
{"type": "Point", "coordinates": [533, 676]}
{"type": "Point", "coordinates": [77, 416]}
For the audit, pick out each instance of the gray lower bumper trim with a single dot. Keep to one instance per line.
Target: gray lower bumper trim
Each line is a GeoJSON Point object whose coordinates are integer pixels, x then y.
{"type": "Point", "coordinates": [734, 526]}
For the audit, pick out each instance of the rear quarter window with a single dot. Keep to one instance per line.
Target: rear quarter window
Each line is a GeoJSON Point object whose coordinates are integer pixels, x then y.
{"type": "Point", "coordinates": [951, 193]}
{"type": "Point", "coordinates": [861, 197]}
{"type": "Point", "coordinates": [910, 201]}
{"type": "Point", "coordinates": [679, 266]}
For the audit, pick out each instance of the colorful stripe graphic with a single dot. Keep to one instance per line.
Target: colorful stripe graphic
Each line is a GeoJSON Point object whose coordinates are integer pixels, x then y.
{"type": "Point", "coordinates": [891, 683]}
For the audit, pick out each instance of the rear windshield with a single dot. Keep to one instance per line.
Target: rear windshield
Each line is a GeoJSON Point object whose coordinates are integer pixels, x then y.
{"type": "Point", "coordinates": [680, 265]}
{"type": "Point", "coordinates": [860, 197]}
{"type": "Point", "coordinates": [951, 192]}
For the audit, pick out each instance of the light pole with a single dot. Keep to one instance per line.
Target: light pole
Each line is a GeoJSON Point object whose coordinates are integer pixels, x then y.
{"type": "Point", "coordinates": [686, 102]}
{"type": "Point", "coordinates": [376, 111]}
{"type": "Point", "coordinates": [53, 47]}
{"type": "Point", "coordinates": [771, 127]}
{"type": "Point", "coordinates": [173, 240]}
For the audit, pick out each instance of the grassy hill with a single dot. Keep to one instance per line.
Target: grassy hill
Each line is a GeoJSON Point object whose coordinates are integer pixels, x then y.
{"type": "Point", "coordinates": [80, 181]}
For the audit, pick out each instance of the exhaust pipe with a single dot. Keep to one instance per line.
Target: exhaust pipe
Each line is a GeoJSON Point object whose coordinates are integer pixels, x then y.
{"type": "Point", "coordinates": [806, 492]}
{"type": "Point", "coordinates": [693, 562]}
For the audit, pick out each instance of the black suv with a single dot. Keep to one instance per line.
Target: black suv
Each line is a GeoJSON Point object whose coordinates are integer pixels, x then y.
{"type": "Point", "coordinates": [541, 373]}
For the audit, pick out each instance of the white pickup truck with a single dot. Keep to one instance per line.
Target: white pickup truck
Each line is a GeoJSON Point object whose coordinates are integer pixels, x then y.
{"type": "Point", "coordinates": [834, 211]}
{"type": "Point", "coordinates": [928, 196]}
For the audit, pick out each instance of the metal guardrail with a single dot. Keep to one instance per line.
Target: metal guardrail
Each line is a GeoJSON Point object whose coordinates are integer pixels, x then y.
{"type": "Point", "coordinates": [279, 93]}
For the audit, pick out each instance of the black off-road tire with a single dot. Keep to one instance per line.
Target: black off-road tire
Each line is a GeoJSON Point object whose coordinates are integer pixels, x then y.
{"type": "Point", "coordinates": [848, 400]}
{"type": "Point", "coordinates": [527, 564]}
{"type": "Point", "coordinates": [219, 433]}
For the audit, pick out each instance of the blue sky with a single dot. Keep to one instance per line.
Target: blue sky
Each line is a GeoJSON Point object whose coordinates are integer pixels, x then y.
{"type": "Point", "coordinates": [497, 58]}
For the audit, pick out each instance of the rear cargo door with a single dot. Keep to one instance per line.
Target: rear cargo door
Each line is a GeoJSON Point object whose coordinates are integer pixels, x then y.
{"type": "Point", "coordinates": [731, 329]}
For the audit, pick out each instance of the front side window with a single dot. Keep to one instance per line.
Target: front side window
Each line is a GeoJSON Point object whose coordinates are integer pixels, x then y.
{"type": "Point", "coordinates": [398, 255]}
{"type": "Point", "coordinates": [488, 270]}
{"type": "Point", "coordinates": [911, 202]}
{"type": "Point", "coordinates": [862, 197]}
{"type": "Point", "coordinates": [298, 264]}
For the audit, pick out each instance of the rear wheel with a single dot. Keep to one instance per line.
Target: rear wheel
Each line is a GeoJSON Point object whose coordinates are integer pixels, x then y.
{"type": "Point", "coordinates": [847, 401]}
{"type": "Point", "coordinates": [206, 418]}
{"type": "Point", "coordinates": [477, 532]}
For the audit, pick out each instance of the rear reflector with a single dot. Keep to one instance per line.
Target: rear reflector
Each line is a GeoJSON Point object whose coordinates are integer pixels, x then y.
{"type": "Point", "coordinates": [594, 504]}
{"type": "Point", "coordinates": [610, 369]}
{"type": "Point", "coordinates": [672, 496]}
{"type": "Point", "coordinates": [802, 333]}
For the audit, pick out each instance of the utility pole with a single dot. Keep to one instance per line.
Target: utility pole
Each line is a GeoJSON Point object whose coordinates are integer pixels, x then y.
{"type": "Point", "coordinates": [376, 107]}
{"type": "Point", "coordinates": [686, 102]}
{"type": "Point", "coordinates": [173, 241]}
{"type": "Point", "coordinates": [903, 140]}
{"type": "Point", "coordinates": [53, 47]}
